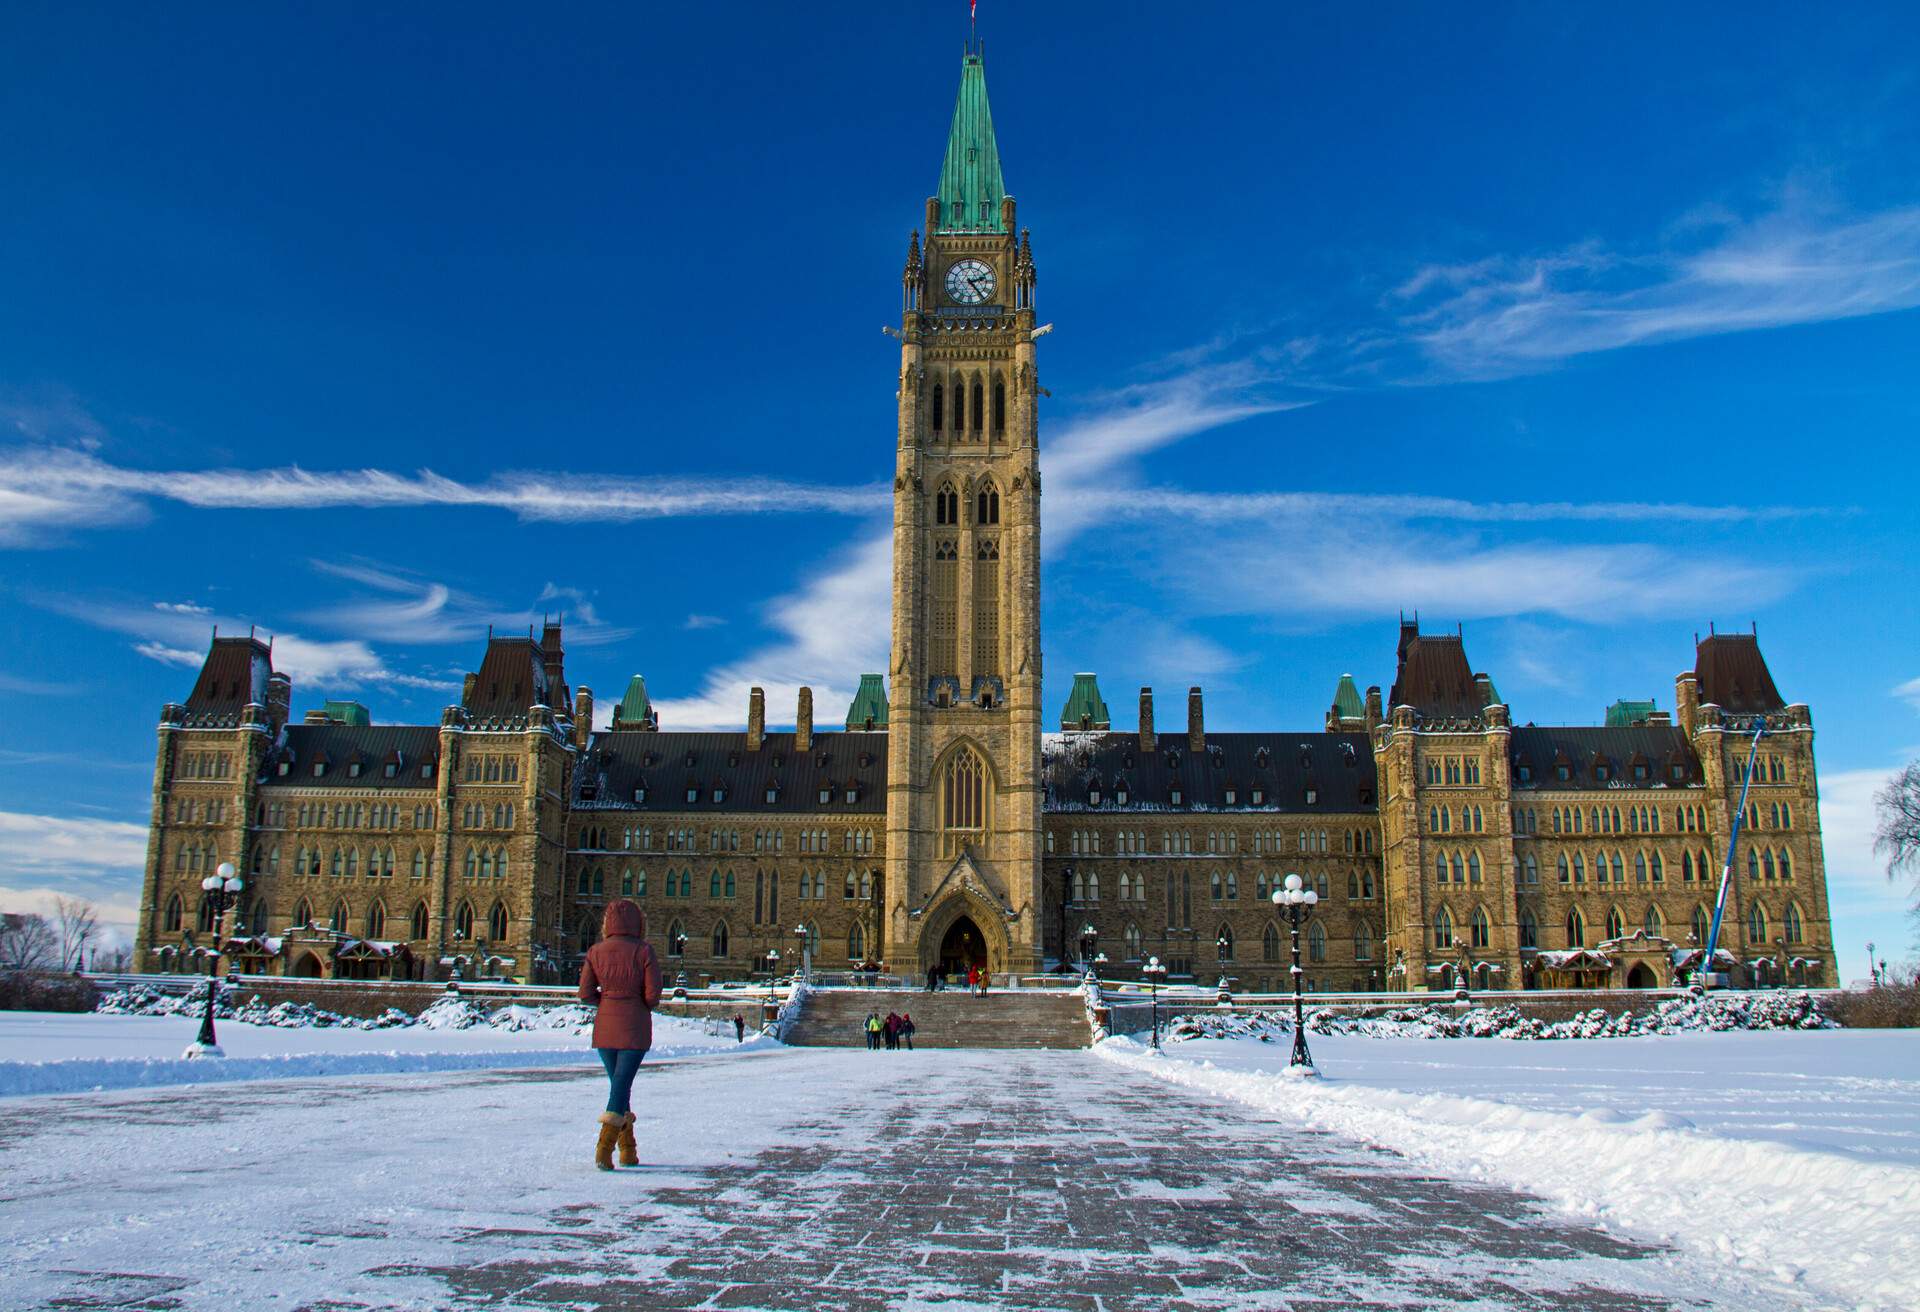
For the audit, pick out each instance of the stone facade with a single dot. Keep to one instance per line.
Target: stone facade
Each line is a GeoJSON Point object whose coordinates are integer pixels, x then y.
{"type": "Point", "coordinates": [942, 826]}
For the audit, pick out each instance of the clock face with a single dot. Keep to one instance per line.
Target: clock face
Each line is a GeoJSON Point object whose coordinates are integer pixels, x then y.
{"type": "Point", "coordinates": [970, 282]}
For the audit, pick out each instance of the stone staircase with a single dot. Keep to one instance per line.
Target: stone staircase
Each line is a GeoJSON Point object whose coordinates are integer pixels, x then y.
{"type": "Point", "coordinates": [953, 1018]}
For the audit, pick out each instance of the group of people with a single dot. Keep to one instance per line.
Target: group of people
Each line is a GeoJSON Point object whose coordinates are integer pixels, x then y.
{"type": "Point", "coordinates": [976, 980]}
{"type": "Point", "coordinates": [895, 1032]}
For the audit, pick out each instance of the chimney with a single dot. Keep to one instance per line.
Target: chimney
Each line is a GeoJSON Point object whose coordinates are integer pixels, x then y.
{"type": "Point", "coordinates": [1196, 722]}
{"type": "Point", "coordinates": [1374, 713]}
{"type": "Point", "coordinates": [756, 718]}
{"type": "Point", "coordinates": [1146, 719]}
{"type": "Point", "coordinates": [279, 699]}
{"type": "Point", "coordinates": [803, 723]}
{"type": "Point", "coordinates": [583, 716]}
{"type": "Point", "coordinates": [555, 661]}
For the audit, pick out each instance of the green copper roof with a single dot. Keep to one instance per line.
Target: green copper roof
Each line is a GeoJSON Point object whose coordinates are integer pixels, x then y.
{"type": "Point", "coordinates": [1086, 708]}
{"type": "Point", "coordinates": [1624, 714]}
{"type": "Point", "coordinates": [634, 710]}
{"type": "Point", "coordinates": [352, 713]}
{"type": "Point", "coordinates": [971, 187]}
{"type": "Point", "coordinates": [1346, 700]}
{"type": "Point", "coordinates": [869, 704]}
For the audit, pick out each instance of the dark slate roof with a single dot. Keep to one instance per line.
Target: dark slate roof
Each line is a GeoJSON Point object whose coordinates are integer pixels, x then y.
{"type": "Point", "coordinates": [1338, 766]}
{"type": "Point", "coordinates": [512, 677]}
{"type": "Point", "coordinates": [1434, 678]}
{"type": "Point", "coordinates": [1659, 746]}
{"type": "Point", "coordinates": [1733, 675]}
{"type": "Point", "coordinates": [235, 672]}
{"type": "Point", "coordinates": [338, 746]}
{"type": "Point", "coordinates": [666, 765]}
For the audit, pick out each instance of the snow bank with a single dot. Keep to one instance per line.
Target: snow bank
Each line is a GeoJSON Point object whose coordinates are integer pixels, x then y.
{"type": "Point", "coordinates": [136, 1038]}
{"type": "Point", "coordinates": [1722, 1012]}
{"type": "Point", "coordinates": [1845, 1227]}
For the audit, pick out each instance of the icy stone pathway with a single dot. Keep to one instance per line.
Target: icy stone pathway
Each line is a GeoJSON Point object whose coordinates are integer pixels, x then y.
{"type": "Point", "coordinates": [807, 1179]}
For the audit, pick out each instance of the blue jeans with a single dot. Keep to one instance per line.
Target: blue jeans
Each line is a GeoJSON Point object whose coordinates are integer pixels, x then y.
{"type": "Point", "coordinates": [622, 1065]}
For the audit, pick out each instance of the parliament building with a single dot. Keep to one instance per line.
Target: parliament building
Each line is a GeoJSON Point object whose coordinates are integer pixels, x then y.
{"type": "Point", "coordinates": [948, 820]}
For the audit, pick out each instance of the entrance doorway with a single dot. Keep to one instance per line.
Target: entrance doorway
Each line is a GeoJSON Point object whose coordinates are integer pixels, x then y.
{"type": "Point", "coordinates": [1641, 976]}
{"type": "Point", "coordinates": [307, 967]}
{"type": "Point", "coordinates": [963, 948]}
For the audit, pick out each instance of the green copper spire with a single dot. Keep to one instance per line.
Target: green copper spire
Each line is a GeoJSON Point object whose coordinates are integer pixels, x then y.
{"type": "Point", "coordinates": [869, 709]}
{"type": "Point", "coordinates": [1346, 700]}
{"type": "Point", "coordinates": [1085, 708]}
{"type": "Point", "coordinates": [1626, 713]}
{"type": "Point", "coordinates": [971, 187]}
{"type": "Point", "coordinates": [634, 710]}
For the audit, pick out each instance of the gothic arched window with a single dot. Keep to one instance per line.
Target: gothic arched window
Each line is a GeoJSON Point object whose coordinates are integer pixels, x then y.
{"type": "Point", "coordinates": [1529, 929]}
{"type": "Point", "coordinates": [376, 920]}
{"type": "Point", "coordinates": [1576, 929]}
{"type": "Point", "coordinates": [1757, 924]}
{"type": "Point", "coordinates": [175, 914]}
{"type": "Point", "coordinates": [1443, 929]}
{"type": "Point", "coordinates": [497, 922]}
{"type": "Point", "coordinates": [463, 921]}
{"type": "Point", "coordinates": [1316, 942]}
{"type": "Point", "coordinates": [1481, 931]}
{"type": "Point", "coordinates": [419, 920]}
{"type": "Point", "coordinates": [963, 803]}
{"type": "Point", "coordinates": [939, 406]}
{"type": "Point", "coordinates": [999, 407]}
{"type": "Point", "coordinates": [946, 505]}
{"type": "Point", "coordinates": [987, 509]}
{"type": "Point", "coordinates": [720, 940]}
{"type": "Point", "coordinates": [979, 409]}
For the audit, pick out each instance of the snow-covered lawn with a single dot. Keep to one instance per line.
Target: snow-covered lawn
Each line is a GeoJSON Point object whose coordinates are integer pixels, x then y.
{"type": "Point", "coordinates": [1793, 1154]}
{"type": "Point", "coordinates": [50, 1052]}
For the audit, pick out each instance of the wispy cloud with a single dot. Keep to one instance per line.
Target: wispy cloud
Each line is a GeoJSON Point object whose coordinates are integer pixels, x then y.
{"type": "Point", "coordinates": [43, 857]}
{"type": "Point", "coordinates": [696, 622]}
{"type": "Point", "coordinates": [1504, 315]}
{"type": "Point", "coordinates": [35, 687]}
{"type": "Point", "coordinates": [1909, 692]}
{"type": "Point", "coordinates": [46, 489]}
{"type": "Point", "coordinates": [1219, 507]}
{"type": "Point", "coordinates": [408, 609]}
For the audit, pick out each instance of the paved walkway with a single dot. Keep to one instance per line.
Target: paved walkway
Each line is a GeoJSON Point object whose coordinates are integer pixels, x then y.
{"type": "Point", "coordinates": [908, 1181]}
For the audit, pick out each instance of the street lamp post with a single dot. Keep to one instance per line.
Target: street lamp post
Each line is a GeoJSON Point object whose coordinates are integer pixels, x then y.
{"type": "Point", "coordinates": [773, 968]}
{"type": "Point", "coordinates": [1873, 971]}
{"type": "Point", "coordinates": [222, 885]}
{"type": "Point", "coordinates": [806, 942]}
{"type": "Point", "coordinates": [1293, 899]}
{"type": "Point", "coordinates": [1154, 971]}
{"type": "Point", "coordinates": [1088, 937]}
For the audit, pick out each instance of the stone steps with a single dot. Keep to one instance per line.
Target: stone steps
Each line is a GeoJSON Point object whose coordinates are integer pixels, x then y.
{"type": "Point", "coordinates": [950, 1019]}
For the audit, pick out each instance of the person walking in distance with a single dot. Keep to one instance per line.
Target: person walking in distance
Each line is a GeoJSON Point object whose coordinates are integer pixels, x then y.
{"type": "Point", "coordinates": [906, 1031]}
{"type": "Point", "coordinates": [621, 979]}
{"type": "Point", "coordinates": [739, 1028]}
{"type": "Point", "coordinates": [873, 1030]}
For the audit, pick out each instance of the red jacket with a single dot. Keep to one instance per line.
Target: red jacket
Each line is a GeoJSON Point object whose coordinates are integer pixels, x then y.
{"type": "Point", "coordinates": [622, 977]}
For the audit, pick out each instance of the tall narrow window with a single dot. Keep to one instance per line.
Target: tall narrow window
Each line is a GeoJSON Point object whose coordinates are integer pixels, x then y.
{"type": "Point", "coordinates": [939, 406]}
{"type": "Point", "coordinates": [1480, 929]}
{"type": "Point", "coordinates": [1529, 929]}
{"type": "Point", "coordinates": [979, 409]}
{"type": "Point", "coordinates": [959, 406]}
{"type": "Point", "coordinates": [944, 653]}
{"type": "Point", "coordinates": [1443, 930]}
{"type": "Point", "coordinates": [999, 406]}
{"type": "Point", "coordinates": [419, 920]}
{"type": "Point", "coordinates": [963, 814]}
{"type": "Point", "coordinates": [1576, 929]}
{"type": "Point", "coordinates": [986, 603]}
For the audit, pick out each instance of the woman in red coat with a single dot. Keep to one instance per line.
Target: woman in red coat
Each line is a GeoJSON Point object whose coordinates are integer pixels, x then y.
{"type": "Point", "coordinates": [621, 977]}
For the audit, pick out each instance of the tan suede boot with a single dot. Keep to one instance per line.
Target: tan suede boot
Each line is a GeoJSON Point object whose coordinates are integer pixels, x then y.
{"type": "Point", "coordinates": [629, 1151]}
{"type": "Point", "coordinates": [610, 1127]}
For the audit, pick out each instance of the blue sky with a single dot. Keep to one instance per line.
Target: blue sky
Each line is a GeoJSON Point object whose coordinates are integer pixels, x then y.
{"type": "Point", "coordinates": [374, 328]}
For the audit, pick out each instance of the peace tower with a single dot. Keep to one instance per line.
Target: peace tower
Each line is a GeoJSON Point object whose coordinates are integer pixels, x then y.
{"type": "Point", "coordinates": [964, 782]}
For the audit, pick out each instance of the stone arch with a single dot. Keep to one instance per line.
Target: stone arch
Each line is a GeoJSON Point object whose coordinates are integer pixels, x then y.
{"type": "Point", "coordinates": [967, 902]}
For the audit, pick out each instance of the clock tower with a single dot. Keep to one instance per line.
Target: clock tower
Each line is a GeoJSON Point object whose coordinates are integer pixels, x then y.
{"type": "Point", "coordinates": [964, 791]}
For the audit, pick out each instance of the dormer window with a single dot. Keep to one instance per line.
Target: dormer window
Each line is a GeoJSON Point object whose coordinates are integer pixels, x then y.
{"type": "Point", "coordinates": [1093, 796]}
{"type": "Point", "coordinates": [719, 794]}
{"type": "Point", "coordinates": [1562, 773]}
{"type": "Point", "coordinates": [1175, 796]}
{"type": "Point", "coordinates": [1120, 796]}
{"type": "Point", "coordinates": [426, 770]}
{"type": "Point", "coordinates": [390, 769]}
{"type": "Point", "coordinates": [639, 794]}
{"type": "Point", "coordinates": [1259, 797]}
{"type": "Point", "coordinates": [693, 794]}
{"type": "Point", "coordinates": [773, 795]}
{"type": "Point", "coordinates": [282, 769]}
{"type": "Point", "coordinates": [1313, 796]}
{"type": "Point", "coordinates": [1677, 772]}
{"type": "Point", "coordinates": [1525, 773]}
{"type": "Point", "coordinates": [1600, 772]}
{"type": "Point", "coordinates": [353, 769]}
{"type": "Point", "coordinates": [1640, 770]}
{"type": "Point", "coordinates": [689, 760]}
{"type": "Point", "coordinates": [826, 796]}
{"type": "Point", "coordinates": [319, 768]}
{"type": "Point", "coordinates": [853, 795]}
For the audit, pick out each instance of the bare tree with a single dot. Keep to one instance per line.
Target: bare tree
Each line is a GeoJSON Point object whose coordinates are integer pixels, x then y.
{"type": "Point", "coordinates": [1897, 834]}
{"type": "Point", "coordinates": [114, 958]}
{"type": "Point", "coordinates": [78, 925]}
{"type": "Point", "coordinates": [26, 943]}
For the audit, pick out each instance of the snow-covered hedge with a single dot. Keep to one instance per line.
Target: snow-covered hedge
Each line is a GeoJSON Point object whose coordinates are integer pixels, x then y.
{"type": "Point", "coordinates": [1727, 1011]}
{"type": "Point", "coordinates": [448, 1012]}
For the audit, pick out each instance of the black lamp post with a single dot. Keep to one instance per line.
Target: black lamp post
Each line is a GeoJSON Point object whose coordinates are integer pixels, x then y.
{"type": "Point", "coordinates": [1293, 899]}
{"type": "Point", "coordinates": [806, 942]}
{"type": "Point", "coordinates": [773, 967]}
{"type": "Point", "coordinates": [222, 885]}
{"type": "Point", "coordinates": [1154, 972]}
{"type": "Point", "coordinates": [1088, 937]}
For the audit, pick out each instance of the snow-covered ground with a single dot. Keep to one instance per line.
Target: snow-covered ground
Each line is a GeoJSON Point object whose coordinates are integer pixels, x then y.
{"type": "Point", "coordinates": [52, 1052]}
{"type": "Point", "coordinates": [1794, 1154]}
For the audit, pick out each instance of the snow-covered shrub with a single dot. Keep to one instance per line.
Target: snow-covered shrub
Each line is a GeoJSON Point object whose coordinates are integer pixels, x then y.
{"type": "Point", "coordinates": [1721, 1011]}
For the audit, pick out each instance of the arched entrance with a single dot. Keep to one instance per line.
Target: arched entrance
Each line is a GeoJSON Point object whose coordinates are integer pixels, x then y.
{"type": "Point", "coordinates": [962, 948]}
{"type": "Point", "coordinates": [1641, 976]}
{"type": "Point", "coordinates": [307, 967]}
